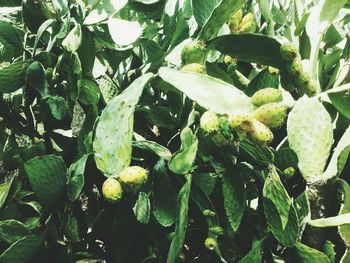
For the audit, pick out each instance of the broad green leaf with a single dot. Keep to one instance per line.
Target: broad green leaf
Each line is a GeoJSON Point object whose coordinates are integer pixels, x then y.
{"type": "Point", "coordinates": [142, 208]}
{"type": "Point", "coordinates": [234, 197]}
{"type": "Point", "coordinates": [76, 180]}
{"type": "Point", "coordinates": [303, 254]}
{"type": "Point", "coordinates": [251, 48]}
{"type": "Point", "coordinates": [47, 176]}
{"type": "Point", "coordinates": [23, 250]}
{"type": "Point", "coordinates": [89, 92]}
{"type": "Point", "coordinates": [202, 10]}
{"type": "Point", "coordinates": [224, 98]}
{"type": "Point", "coordinates": [70, 225]}
{"type": "Point", "coordinates": [255, 254]}
{"type": "Point", "coordinates": [314, 143]}
{"type": "Point", "coordinates": [113, 137]}
{"type": "Point", "coordinates": [263, 80]}
{"type": "Point", "coordinates": [302, 206]}
{"type": "Point", "coordinates": [182, 161]}
{"type": "Point", "coordinates": [260, 155]}
{"type": "Point", "coordinates": [102, 10]}
{"type": "Point", "coordinates": [35, 77]}
{"type": "Point", "coordinates": [8, 32]}
{"type": "Point", "coordinates": [87, 52]}
{"type": "Point", "coordinates": [4, 191]}
{"type": "Point", "coordinates": [12, 76]}
{"type": "Point", "coordinates": [158, 149]}
{"type": "Point", "coordinates": [339, 157]}
{"type": "Point", "coordinates": [164, 196]}
{"type": "Point", "coordinates": [338, 220]}
{"type": "Point", "coordinates": [344, 230]}
{"type": "Point", "coordinates": [58, 107]}
{"type": "Point", "coordinates": [124, 32]}
{"type": "Point", "coordinates": [205, 181]}
{"type": "Point", "coordinates": [220, 15]}
{"type": "Point", "coordinates": [12, 230]}
{"type": "Point", "coordinates": [286, 157]}
{"type": "Point", "coordinates": [73, 40]}
{"type": "Point", "coordinates": [341, 100]}
{"type": "Point", "coordinates": [279, 210]}
{"type": "Point", "coordinates": [181, 221]}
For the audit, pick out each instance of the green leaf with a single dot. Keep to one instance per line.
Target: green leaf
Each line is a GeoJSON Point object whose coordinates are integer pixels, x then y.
{"type": "Point", "coordinates": [202, 10]}
{"type": "Point", "coordinates": [58, 107]}
{"type": "Point", "coordinates": [12, 76]}
{"type": "Point", "coordinates": [205, 181]}
{"type": "Point", "coordinates": [76, 180]}
{"type": "Point", "coordinates": [224, 98]}
{"type": "Point", "coordinates": [252, 48]}
{"type": "Point", "coordinates": [35, 77]}
{"type": "Point", "coordinates": [4, 191]}
{"type": "Point", "coordinates": [181, 221]}
{"type": "Point", "coordinates": [338, 220]}
{"type": "Point", "coordinates": [263, 80]}
{"type": "Point", "coordinates": [113, 137]}
{"type": "Point", "coordinates": [339, 157]}
{"type": "Point", "coordinates": [124, 32]}
{"type": "Point", "coordinates": [73, 40]}
{"type": "Point", "coordinates": [314, 143]}
{"type": "Point", "coordinates": [182, 161]}
{"type": "Point", "coordinates": [23, 250]}
{"type": "Point", "coordinates": [286, 157]}
{"type": "Point", "coordinates": [341, 100]}
{"type": "Point", "coordinates": [255, 254]}
{"type": "Point", "coordinates": [87, 52]}
{"type": "Point", "coordinates": [346, 257]}
{"type": "Point", "coordinates": [260, 155]}
{"type": "Point", "coordinates": [158, 149]}
{"type": "Point", "coordinates": [102, 10]}
{"type": "Point", "coordinates": [164, 196]}
{"type": "Point", "coordinates": [302, 206]}
{"type": "Point", "coordinates": [89, 92]}
{"type": "Point", "coordinates": [8, 32]}
{"type": "Point", "coordinates": [47, 176]}
{"type": "Point", "coordinates": [12, 230]}
{"type": "Point", "coordinates": [279, 210]}
{"type": "Point", "coordinates": [220, 15]}
{"type": "Point", "coordinates": [234, 197]}
{"type": "Point", "coordinates": [344, 230]}
{"type": "Point", "coordinates": [142, 208]}
{"type": "Point", "coordinates": [304, 254]}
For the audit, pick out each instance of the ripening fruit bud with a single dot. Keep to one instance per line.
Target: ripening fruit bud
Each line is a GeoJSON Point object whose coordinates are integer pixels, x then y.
{"type": "Point", "coordinates": [302, 80]}
{"type": "Point", "coordinates": [112, 190]}
{"type": "Point", "coordinates": [272, 70]}
{"type": "Point", "coordinates": [194, 68]}
{"type": "Point", "coordinates": [260, 133]}
{"type": "Point", "coordinates": [229, 60]}
{"type": "Point", "coordinates": [311, 89]}
{"type": "Point", "coordinates": [295, 68]}
{"type": "Point", "coordinates": [208, 213]}
{"type": "Point", "coordinates": [219, 139]}
{"type": "Point", "coordinates": [289, 172]}
{"type": "Point", "coordinates": [248, 24]}
{"type": "Point", "coordinates": [134, 175]}
{"type": "Point", "coordinates": [289, 52]}
{"type": "Point", "coordinates": [216, 230]}
{"type": "Point", "coordinates": [193, 52]}
{"type": "Point", "coordinates": [209, 122]}
{"type": "Point", "coordinates": [235, 20]}
{"type": "Point", "coordinates": [239, 120]}
{"type": "Point", "coordinates": [210, 243]}
{"type": "Point", "coordinates": [272, 114]}
{"type": "Point", "coordinates": [265, 96]}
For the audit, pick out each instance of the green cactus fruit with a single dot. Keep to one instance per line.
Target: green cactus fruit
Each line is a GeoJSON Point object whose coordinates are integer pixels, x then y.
{"type": "Point", "coordinates": [239, 120]}
{"type": "Point", "coordinates": [208, 213]}
{"type": "Point", "coordinates": [229, 60]}
{"type": "Point", "coordinates": [194, 68]}
{"type": "Point", "coordinates": [248, 24]}
{"type": "Point", "coordinates": [225, 128]}
{"type": "Point", "coordinates": [193, 52]}
{"type": "Point", "coordinates": [311, 88]}
{"type": "Point", "coordinates": [272, 70]}
{"type": "Point", "coordinates": [260, 133]}
{"type": "Point", "coordinates": [210, 243]}
{"type": "Point", "coordinates": [328, 249]}
{"type": "Point", "coordinates": [134, 175]}
{"type": "Point", "coordinates": [265, 96]}
{"type": "Point", "coordinates": [302, 80]}
{"type": "Point", "coordinates": [289, 52]}
{"type": "Point", "coordinates": [295, 68]}
{"type": "Point", "coordinates": [219, 139]}
{"type": "Point", "coordinates": [6, 50]}
{"type": "Point", "coordinates": [289, 172]}
{"type": "Point", "coordinates": [216, 230]}
{"type": "Point", "coordinates": [112, 190]}
{"type": "Point", "coordinates": [272, 114]}
{"type": "Point", "coordinates": [235, 20]}
{"type": "Point", "coordinates": [209, 122]}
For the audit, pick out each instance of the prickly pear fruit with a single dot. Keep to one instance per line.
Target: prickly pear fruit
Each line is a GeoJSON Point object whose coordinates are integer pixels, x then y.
{"type": "Point", "coordinates": [225, 128]}
{"type": "Point", "coordinates": [266, 95]}
{"type": "Point", "coordinates": [247, 24]}
{"type": "Point", "coordinates": [235, 20]}
{"type": "Point", "coordinates": [112, 190]}
{"type": "Point", "coordinates": [295, 68]}
{"type": "Point", "coordinates": [311, 89]}
{"type": "Point", "coordinates": [134, 175]}
{"type": "Point", "coordinates": [194, 68]}
{"type": "Point", "coordinates": [302, 80]}
{"type": "Point", "coordinates": [229, 60]}
{"type": "Point", "coordinates": [209, 122]}
{"type": "Point", "coordinates": [289, 52]}
{"type": "Point", "coordinates": [289, 172]}
{"type": "Point", "coordinates": [239, 119]}
{"type": "Point", "coordinates": [193, 52]}
{"type": "Point", "coordinates": [272, 70]}
{"type": "Point", "coordinates": [216, 230]}
{"type": "Point", "coordinates": [210, 243]}
{"type": "Point", "coordinates": [260, 133]}
{"type": "Point", "coordinates": [272, 114]}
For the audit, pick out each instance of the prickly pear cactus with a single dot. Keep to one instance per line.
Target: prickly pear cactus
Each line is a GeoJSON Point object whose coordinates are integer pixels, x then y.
{"type": "Point", "coordinates": [112, 144]}
{"type": "Point", "coordinates": [310, 135]}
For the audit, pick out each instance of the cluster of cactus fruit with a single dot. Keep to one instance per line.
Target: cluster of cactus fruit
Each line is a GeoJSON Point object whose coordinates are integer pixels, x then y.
{"type": "Point", "coordinates": [270, 113]}
{"type": "Point", "coordinates": [132, 176]}
{"type": "Point", "coordinates": [240, 24]}
{"type": "Point", "coordinates": [193, 56]}
{"type": "Point", "coordinates": [298, 75]}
